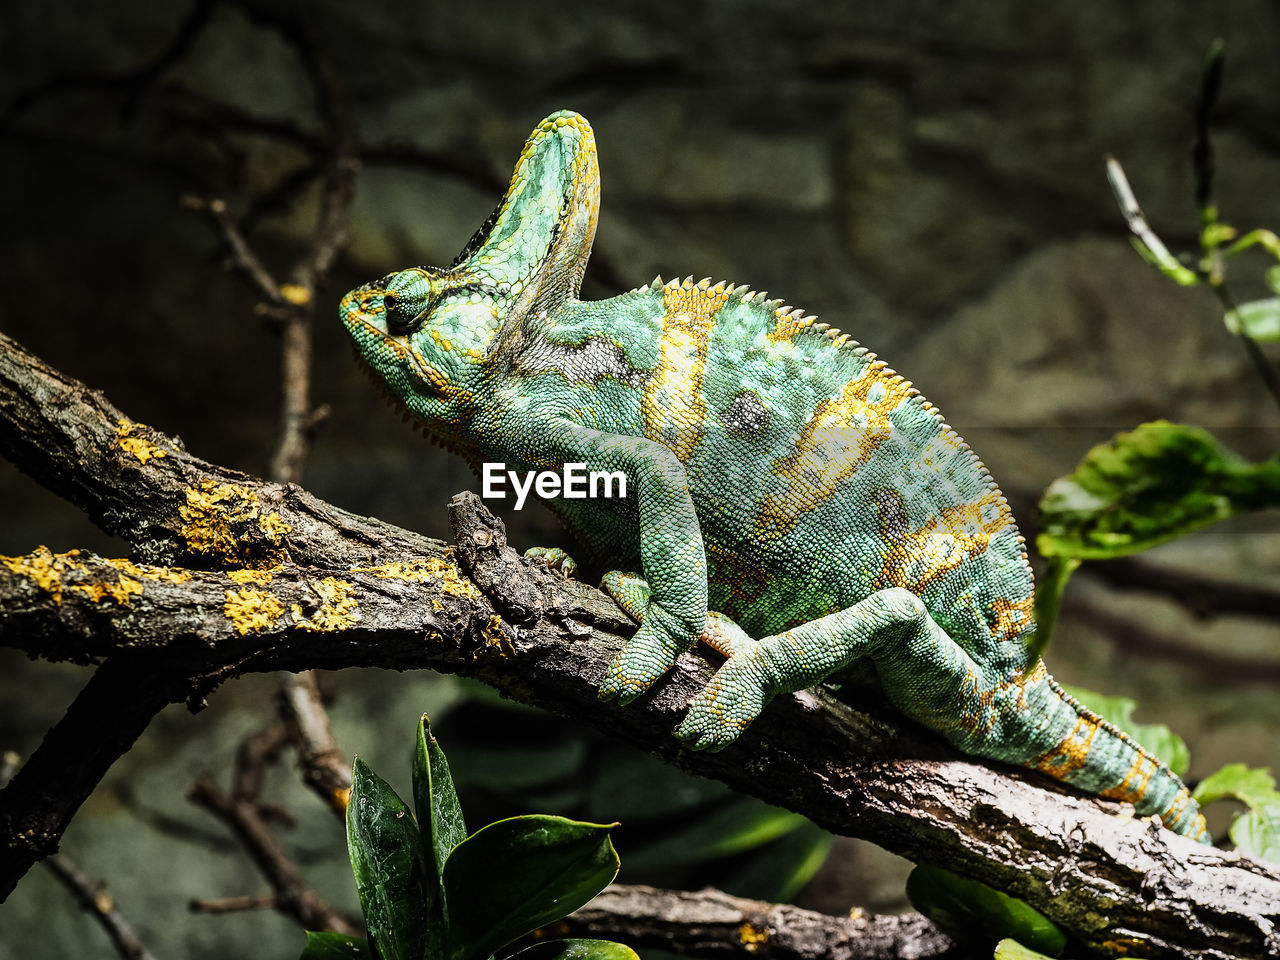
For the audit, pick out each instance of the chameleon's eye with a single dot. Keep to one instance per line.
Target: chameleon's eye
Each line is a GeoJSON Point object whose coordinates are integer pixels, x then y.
{"type": "Point", "coordinates": [406, 301]}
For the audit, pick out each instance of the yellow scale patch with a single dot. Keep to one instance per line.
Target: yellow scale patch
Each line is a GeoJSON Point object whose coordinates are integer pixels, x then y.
{"type": "Point", "coordinates": [1134, 785]}
{"type": "Point", "coordinates": [213, 510]}
{"type": "Point", "coordinates": [673, 406]}
{"type": "Point", "coordinates": [138, 447]}
{"type": "Point", "coordinates": [839, 438]}
{"type": "Point", "coordinates": [1070, 755]}
{"type": "Point", "coordinates": [337, 607]}
{"type": "Point", "coordinates": [958, 534]}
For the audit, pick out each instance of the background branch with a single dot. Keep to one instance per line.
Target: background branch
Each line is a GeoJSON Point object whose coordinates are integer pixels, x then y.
{"type": "Point", "coordinates": [709, 923]}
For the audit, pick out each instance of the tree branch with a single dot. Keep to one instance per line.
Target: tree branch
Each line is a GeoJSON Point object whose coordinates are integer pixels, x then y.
{"type": "Point", "coordinates": [709, 923]}
{"type": "Point", "coordinates": [1114, 882]}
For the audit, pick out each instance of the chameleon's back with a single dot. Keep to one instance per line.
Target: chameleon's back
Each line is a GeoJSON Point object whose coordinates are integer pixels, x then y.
{"type": "Point", "coordinates": [819, 475]}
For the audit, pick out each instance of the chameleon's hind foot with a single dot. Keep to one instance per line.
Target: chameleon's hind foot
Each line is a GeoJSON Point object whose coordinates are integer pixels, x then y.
{"type": "Point", "coordinates": [654, 648]}
{"type": "Point", "coordinates": [555, 558]}
{"type": "Point", "coordinates": [734, 697]}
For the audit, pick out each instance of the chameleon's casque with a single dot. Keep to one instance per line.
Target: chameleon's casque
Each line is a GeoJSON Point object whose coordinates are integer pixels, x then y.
{"type": "Point", "coordinates": [778, 473]}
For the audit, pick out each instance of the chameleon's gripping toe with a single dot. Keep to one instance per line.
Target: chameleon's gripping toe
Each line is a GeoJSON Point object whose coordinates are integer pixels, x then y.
{"type": "Point", "coordinates": [726, 706]}
{"type": "Point", "coordinates": [644, 658]}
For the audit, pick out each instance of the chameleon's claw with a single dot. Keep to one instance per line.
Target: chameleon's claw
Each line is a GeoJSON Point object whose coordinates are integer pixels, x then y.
{"type": "Point", "coordinates": [555, 558]}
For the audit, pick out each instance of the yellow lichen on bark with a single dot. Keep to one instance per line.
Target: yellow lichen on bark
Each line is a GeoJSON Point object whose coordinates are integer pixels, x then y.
{"type": "Point", "coordinates": [752, 937]}
{"type": "Point", "coordinates": [250, 610]}
{"type": "Point", "coordinates": [337, 607]}
{"type": "Point", "coordinates": [139, 447]}
{"type": "Point", "coordinates": [45, 568]}
{"type": "Point", "coordinates": [433, 569]}
{"type": "Point", "coordinates": [260, 577]}
{"type": "Point", "coordinates": [121, 591]}
{"type": "Point", "coordinates": [223, 521]}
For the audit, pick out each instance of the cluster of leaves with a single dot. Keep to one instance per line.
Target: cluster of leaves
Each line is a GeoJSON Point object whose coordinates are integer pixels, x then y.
{"type": "Point", "coordinates": [431, 892]}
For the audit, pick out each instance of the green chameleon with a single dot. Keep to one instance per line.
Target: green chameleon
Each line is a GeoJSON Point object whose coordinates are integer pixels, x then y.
{"type": "Point", "coordinates": [778, 473]}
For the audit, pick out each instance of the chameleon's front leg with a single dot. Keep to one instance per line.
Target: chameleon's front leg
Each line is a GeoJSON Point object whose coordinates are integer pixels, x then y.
{"type": "Point", "coordinates": [673, 613]}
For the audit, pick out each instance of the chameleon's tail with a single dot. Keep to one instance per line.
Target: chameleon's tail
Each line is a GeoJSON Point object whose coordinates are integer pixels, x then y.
{"type": "Point", "coordinates": [1080, 748]}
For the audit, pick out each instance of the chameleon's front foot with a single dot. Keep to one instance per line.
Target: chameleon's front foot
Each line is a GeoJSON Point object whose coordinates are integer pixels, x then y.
{"type": "Point", "coordinates": [654, 648]}
{"type": "Point", "coordinates": [555, 558]}
{"type": "Point", "coordinates": [727, 705]}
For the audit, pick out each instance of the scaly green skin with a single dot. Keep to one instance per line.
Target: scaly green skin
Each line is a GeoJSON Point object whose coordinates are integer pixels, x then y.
{"type": "Point", "coordinates": [777, 472]}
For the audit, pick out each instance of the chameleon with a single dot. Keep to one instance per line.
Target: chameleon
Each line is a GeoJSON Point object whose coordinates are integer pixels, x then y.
{"type": "Point", "coordinates": [792, 500]}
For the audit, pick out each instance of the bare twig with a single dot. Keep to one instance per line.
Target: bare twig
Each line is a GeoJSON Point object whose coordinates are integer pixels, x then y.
{"type": "Point", "coordinates": [268, 901]}
{"type": "Point", "coordinates": [93, 896]}
{"type": "Point", "coordinates": [242, 811]}
{"type": "Point", "coordinates": [243, 259]}
{"type": "Point", "coordinates": [325, 768]}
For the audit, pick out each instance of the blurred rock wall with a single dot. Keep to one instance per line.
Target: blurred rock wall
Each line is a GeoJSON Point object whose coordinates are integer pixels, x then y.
{"type": "Point", "coordinates": [927, 176]}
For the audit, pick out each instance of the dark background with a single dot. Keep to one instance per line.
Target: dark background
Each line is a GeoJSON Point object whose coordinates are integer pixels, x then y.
{"type": "Point", "coordinates": [927, 176]}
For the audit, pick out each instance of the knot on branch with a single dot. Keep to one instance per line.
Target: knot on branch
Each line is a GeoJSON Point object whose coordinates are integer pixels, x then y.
{"type": "Point", "coordinates": [522, 591]}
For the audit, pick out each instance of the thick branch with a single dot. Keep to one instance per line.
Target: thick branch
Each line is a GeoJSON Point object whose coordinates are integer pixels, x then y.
{"type": "Point", "coordinates": [708, 923]}
{"type": "Point", "coordinates": [1108, 879]}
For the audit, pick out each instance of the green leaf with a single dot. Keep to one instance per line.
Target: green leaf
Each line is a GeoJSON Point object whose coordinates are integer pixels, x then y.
{"type": "Point", "coordinates": [972, 913]}
{"type": "Point", "coordinates": [1152, 484]}
{"type": "Point", "coordinates": [434, 799]}
{"type": "Point", "coordinates": [731, 827]}
{"type": "Point", "coordinates": [1013, 950]}
{"type": "Point", "coordinates": [388, 861]}
{"type": "Point", "coordinates": [335, 946]}
{"type": "Point", "coordinates": [1257, 831]}
{"type": "Point", "coordinates": [577, 950]}
{"type": "Point", "coordinates": [1260, 319]}
{"type": "Point", "coordinates": [1273, 278]}
{"type": "Point", "coordinates": [516, 875]}
{"type": "Point", "coordinates": [1155, 737]}
{"type": "Point", "coordinates": [1251, 786]}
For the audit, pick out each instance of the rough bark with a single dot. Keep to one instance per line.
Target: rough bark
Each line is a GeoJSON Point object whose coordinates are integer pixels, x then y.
{"type": "Point", "coordinates": [1118, 884]}
{"type": "Point", "coordinates": [709, 923]}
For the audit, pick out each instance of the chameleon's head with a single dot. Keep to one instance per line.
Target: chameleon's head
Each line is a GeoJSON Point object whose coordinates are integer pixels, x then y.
{"type": "Point", "coordinates": [433, 335]}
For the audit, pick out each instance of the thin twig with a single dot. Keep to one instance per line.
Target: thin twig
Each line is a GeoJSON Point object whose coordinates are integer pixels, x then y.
{"type": "Point", "coordinates": [325, 768]}
{"type": "Point", "coordinates": [267, 901]}
{"type": "Point", "coordinates": [93, 896]}
{"type": "Point", "coordinates": [243, 259]}
{"type": "Point", "coordinates": [242, 812]}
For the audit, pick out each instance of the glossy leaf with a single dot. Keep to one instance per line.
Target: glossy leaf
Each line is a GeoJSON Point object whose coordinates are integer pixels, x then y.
{"type": "Point", "coordinates": [388, 861]}
{"type": "Point", "coordinates": [1257, 831]}
{"type": "Point", "coordinates": [1152, 484]}
{"type": "Point", "coordinates": [736, 825]}
{"type": "Point", "coordinates": [577, 950]}
{"type": "Point", "coordinates": [972, 913]}
{"type": "Point", "coordinates": [1155, 737]}
{"type": "Point", "coordinates": [1013, 950]}
{"type": "Point", "coordinates": [436, 803]}
{"type": "Point", "coordinates": [1260, 319]}
{"type": "Point", "coordinates": [516, 875]}
{"type": "Point", "coordinates": [335, 946]}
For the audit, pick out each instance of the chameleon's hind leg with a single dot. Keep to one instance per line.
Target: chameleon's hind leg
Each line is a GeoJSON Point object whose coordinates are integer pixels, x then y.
{"type": "Point", "coordinates": [918, 664]}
